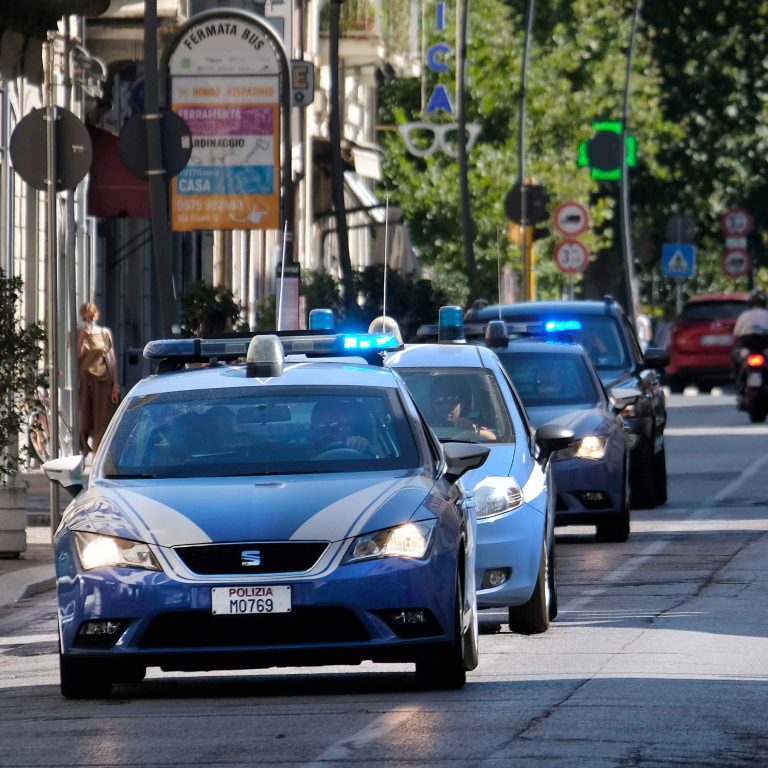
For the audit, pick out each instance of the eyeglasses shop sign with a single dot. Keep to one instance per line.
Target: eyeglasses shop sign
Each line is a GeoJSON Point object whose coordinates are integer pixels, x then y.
{"type": "Point", "coordinates": [225, 83]}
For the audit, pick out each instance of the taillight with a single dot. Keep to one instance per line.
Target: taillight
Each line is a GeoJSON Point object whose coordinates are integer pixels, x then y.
{"type": "Point", "coordinates": [755, 361]}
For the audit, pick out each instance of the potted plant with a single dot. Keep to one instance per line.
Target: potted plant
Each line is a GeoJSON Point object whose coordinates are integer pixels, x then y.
{"type": "Point", "coordinates": [209, 311]}
{"type": "Point", "coordinates": [21, 350]}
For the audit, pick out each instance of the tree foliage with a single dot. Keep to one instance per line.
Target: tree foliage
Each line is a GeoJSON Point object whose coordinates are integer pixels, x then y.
{"type": "Point", "coordinates": [697, 92]}
{"type": "Point", "coordinates": [21, 351]}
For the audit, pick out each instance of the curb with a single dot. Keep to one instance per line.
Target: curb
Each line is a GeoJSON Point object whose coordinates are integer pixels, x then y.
{"type": "Point", "coordinates": [27, 582]}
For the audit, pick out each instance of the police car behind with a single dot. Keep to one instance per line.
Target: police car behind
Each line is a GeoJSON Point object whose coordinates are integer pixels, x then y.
{"type": "Point", "coordinates": [232, 521]}
{"type": "Point", "coordinates": [514, 490]}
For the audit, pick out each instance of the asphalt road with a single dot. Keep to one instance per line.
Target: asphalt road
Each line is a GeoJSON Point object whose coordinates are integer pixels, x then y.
{"type": "Point", "coordinates": [659, 657]}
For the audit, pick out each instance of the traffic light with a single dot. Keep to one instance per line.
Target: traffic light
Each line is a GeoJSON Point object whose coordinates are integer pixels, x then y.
{"type": "Point", "coordinates": [536, 202]}
{"type": "Point", "coordinates": [602, 153]}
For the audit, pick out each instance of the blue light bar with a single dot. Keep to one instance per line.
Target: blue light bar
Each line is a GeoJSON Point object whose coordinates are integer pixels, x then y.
{"type": "Point", "coordinates": [450, 324]}
{"type": "Point", "coordinates": [321, 320]}
{"type": "Point", "coordinates": [196, 349]}
{"type": "Point", "coordinates": [380, 341]}
{"type": "Point", "coordinates": [557, 326]}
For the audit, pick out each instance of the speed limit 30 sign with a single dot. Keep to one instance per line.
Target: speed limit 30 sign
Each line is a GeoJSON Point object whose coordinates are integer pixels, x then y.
{"type": "Point", "coordinates": [571, 256]}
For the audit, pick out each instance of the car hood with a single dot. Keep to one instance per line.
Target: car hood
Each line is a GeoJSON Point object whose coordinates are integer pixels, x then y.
{"type": "Point", "coordinates": [174, 512]}
{"type": "Point", "coordinates": [585, 421]}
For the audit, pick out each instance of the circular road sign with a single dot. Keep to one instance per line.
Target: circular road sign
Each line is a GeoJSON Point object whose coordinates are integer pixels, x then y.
{"type": "Point", "coordinates": [736, 263]}
{"type": "Point", "coordinates": [737, 221]}
{"type": "Point", "coordinates": [570, 219]}
{"type": "Point", "coordinates": [29, 149]}
{"type": "Point", "coordinates": [174, 136]}
{"type": "Point", "coordinates": [571, 256]}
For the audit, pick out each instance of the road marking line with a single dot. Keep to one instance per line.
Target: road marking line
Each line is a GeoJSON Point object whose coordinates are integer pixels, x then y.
{"type": "Point", "coordinates": [704, 510]}
{"type": "Point", "coordinates": [24, 639]}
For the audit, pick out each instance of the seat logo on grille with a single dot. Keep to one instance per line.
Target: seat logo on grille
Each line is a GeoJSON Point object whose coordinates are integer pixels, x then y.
{"type": "Point", "coordinates": [250, 558]}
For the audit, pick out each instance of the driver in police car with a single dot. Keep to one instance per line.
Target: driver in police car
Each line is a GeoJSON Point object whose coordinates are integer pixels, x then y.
{"type": "Point", "coordinates": [331, 428]}
{"type": "Point", "coordinates": [451, 399]}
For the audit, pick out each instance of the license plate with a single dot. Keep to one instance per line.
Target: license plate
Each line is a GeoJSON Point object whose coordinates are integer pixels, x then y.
{"type": "Point", "coordinates": [235, 601]}
{"type": "Point", "coordinates": [717, 340]}
{"type": "Point", "coordinates": [755, 379]}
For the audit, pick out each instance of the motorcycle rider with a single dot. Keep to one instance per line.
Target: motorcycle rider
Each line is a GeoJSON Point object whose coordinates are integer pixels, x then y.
{"type": "Point", "coordinates": [754, 319]}
{"type": "Point", "coordinates": [751, 324]}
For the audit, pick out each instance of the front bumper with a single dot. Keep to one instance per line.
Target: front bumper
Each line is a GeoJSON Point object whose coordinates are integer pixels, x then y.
{"type": "Point", "coordinates": [588, 490]}
{"type": "Point", "coordinates": [344, 616]}
{"type": "Point", "coordinates": [511, 542]}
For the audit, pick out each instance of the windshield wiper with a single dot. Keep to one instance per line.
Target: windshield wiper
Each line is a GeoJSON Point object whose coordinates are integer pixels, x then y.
{"type": "Point", "coordinates": [136, 476]}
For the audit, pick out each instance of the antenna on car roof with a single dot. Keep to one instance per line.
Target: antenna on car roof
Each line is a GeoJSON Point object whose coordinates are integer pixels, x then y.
{"type": "Point", "coordinates": [498, 271]}
{"type": "Point", "coordinates": [386, 250]}
{"type": "Point", "coordinates": [282, 279]}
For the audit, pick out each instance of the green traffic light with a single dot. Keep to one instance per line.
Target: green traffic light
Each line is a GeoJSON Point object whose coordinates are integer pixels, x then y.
{"type": "Point", "coordinates": [586, 159]}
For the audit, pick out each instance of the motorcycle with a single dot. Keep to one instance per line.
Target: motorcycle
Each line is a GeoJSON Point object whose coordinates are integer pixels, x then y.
{"type": "Point", "coordinates": [752, 377]}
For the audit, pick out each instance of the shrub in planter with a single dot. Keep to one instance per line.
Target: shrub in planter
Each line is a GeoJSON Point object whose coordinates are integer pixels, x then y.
{"type": "Point", "coordinates": [21, 351]}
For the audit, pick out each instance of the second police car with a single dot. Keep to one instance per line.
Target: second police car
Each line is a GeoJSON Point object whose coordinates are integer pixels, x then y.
{"type": "Point", "coordinates": [466, 395]}
{"type": "Point", "coordinates": [266, 513]}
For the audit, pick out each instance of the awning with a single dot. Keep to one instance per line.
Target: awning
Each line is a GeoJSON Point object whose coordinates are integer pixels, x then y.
{"type": "Point", "coordinates": [35, 17]}
{"type": "Point", "coordinates": [114, 192]}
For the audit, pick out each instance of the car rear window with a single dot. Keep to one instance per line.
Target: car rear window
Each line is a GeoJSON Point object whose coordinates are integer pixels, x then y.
{"type": "Point", "coordinates": [550, 378]}
{"type": "Point", "coordinates": [264, 431]}
{"type": "Point", "coordinates": [713, 310]}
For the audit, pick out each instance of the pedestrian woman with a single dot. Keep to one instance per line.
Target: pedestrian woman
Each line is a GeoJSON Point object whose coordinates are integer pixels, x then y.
{"type": "Point", "coordinates": [98, 390]}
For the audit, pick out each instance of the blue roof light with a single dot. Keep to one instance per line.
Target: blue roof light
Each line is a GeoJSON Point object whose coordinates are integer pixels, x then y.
{"type": "Point", "coordinates": [321, 320]}
{"type": "Point", "coordinates": [450, 324]}
{"type": "Point", "coordinates": [382, 341]}
{"type": "Point", "coordinates": [557, 326]}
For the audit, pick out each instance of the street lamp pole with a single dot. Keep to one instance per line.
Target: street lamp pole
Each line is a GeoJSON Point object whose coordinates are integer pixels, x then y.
{"type": "Point", "coordinates": [626, 225]}
{"type": "Point", "coordinates": [524, 246]}
{"type": "Point", "coordinates": [461, 125]}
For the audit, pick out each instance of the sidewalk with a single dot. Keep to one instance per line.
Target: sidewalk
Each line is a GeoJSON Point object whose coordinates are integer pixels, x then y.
{"type": "Point", "coordinates": [33, 571]}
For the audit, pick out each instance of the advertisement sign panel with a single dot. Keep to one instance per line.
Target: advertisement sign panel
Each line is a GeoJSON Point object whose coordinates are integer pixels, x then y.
{"type": "Point", "coordinates": [225, 83]}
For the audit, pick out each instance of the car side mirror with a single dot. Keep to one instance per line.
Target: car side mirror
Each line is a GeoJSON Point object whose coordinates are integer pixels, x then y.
{"type": "Point", "coordinates": [621, 397]}
{"type": "Point", "coordinates": [552, 438]}
{"type": "Point", "coordinates": [655, 357]}
{"type": "Point", "coordinates": [461, 457]}
{"type": "Point", "coordinates": [67, 471]}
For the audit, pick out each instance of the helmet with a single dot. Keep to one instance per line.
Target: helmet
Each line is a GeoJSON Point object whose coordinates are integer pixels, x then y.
{"type": "Point", "coordinates": [758, 299]}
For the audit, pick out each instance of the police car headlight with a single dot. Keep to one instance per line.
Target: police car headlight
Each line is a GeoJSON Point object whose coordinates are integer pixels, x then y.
{"type": "Point", "coordinates": [410, 540]}
{"type": "Point", "coordinates": [497, 495]}
{"type": "Point", "coordinates": [97, 551]}
{"type": "Point", "coordinates": [590, 447]}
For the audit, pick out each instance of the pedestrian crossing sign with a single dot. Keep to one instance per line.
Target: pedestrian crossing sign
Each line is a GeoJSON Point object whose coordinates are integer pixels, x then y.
{"type": "Point", "coordinates": [678, 259]}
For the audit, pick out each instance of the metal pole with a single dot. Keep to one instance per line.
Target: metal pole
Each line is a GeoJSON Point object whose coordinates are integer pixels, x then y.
{"type": "Point", "coordinates": [461, 124]}
{"type": "Point", "coordinates": [527, 260]}
{"type": "Point", "coordinates": [6, 184]}
{"type": "Point", "coordinates": [337, 172]}
{"type": "Point", "coordinates": [158, 201]}
{"type": "Point", "coordinates": [626, 233]}
{"type": "Point", "coordinates": [51, 117]}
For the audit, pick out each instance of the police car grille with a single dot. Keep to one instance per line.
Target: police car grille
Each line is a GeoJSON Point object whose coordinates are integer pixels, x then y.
{"type": "Point", "coordinates": [273, 557]}
{"type": "Point", "coordinates": [194, 629]}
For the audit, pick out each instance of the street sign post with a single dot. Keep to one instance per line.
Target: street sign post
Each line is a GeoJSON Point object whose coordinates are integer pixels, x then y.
{"type": "Point", "coordinates": [571, 219]}
{"type": "Point", "coordinates": [678, 260]}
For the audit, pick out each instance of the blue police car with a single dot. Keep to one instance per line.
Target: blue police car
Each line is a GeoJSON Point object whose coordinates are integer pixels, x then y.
{"type": "Point", "coordinates": [466, 395]}
{"type": "Point", "coordinates": [266, 513]}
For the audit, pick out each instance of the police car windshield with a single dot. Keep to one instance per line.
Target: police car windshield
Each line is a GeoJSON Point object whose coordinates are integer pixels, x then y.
{"type": "Point", "coordinates": [551, 378]}
{"type": "Point", "coordinates": [600, 336]}
{"type": "Point", "coordinates": [461, 403]}
{"type": "Point", "coordinates": [272, 430]}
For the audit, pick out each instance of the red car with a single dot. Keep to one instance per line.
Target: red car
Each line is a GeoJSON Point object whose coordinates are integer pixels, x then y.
{"type": "Point", "coordinates": [701, 340]}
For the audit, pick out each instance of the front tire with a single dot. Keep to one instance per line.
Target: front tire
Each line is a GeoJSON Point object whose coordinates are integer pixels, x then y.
{"type": "Point", "coordinates": [642, 475]}
{"type": "Point", "coordinates": [80, 679]}
{"type": "Point", "coordinates": [532, 617]}
{"type": "Point", "coordinates": [446, 669]}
